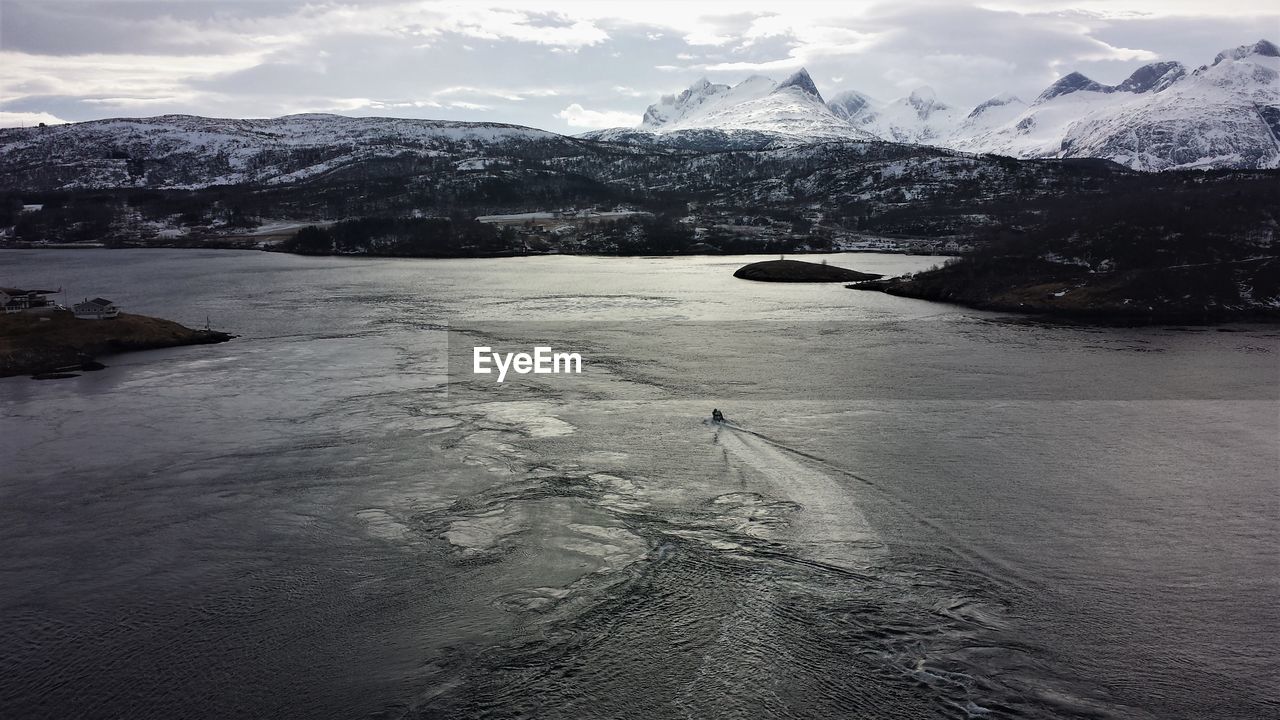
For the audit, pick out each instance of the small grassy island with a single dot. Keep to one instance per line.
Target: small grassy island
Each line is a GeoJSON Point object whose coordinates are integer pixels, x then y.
{"type": "Point", "coordinates": [58, 343]}
{"type": "Point", "coordinates": [796, 271]}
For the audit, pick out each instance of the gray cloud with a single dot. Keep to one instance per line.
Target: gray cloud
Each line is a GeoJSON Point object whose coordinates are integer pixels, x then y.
{"type": "Point", "coordinates": [139, 27]}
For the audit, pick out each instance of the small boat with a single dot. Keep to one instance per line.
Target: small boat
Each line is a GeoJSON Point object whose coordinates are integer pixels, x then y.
{"type": "Point", "coordinates": [717, 416]}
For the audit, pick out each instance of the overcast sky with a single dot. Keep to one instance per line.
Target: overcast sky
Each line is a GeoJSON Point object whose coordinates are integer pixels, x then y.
{"type": "Point", "coordinates": [567, 66]}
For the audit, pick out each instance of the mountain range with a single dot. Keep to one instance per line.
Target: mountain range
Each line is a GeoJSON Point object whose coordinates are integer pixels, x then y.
{"type": "Point", "coordinates": [1162, 117]}
{"type": "Point", "coordinates": [1225, 115]}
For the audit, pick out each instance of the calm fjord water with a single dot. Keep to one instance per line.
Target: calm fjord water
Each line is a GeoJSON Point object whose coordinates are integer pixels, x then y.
{"type": "Point", "coordinates": [919, 511]}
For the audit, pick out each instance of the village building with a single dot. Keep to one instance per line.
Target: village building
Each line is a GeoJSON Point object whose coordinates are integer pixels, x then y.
{"type": "Point", "coordinates": [96, 309]}
{"type": "Point", "coordinates": [15, 300]}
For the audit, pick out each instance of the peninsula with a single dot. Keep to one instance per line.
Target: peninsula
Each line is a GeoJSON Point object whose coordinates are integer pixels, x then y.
{"type": "Point", "coordinates": [1234, 290]}
{"type": "Point", "coordinates": [57, 343]}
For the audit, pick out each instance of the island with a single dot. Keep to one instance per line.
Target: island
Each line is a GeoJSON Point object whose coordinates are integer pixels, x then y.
{"type": "Point", "coordinates": [796, 271]}
{"type": "Point", "coordinates": [56, 344]}
{"type": "Point", "coordinates": [1244, 290]}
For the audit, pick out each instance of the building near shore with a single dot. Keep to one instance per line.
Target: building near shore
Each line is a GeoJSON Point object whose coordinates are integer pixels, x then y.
{"type": "Point", "coordinates": [96, 309]}
{"type": "Point", "coordinates": [15, 300]}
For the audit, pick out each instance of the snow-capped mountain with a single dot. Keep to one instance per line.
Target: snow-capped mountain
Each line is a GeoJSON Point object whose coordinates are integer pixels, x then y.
{"type": "Point", "coordinates": [918, 118]}
{"type": "Point", "coordinates": [851, 105]}
{"type": "Point", "coordinates": [988, 115]}
{"type": "Point", "coordinates": [700, 100]}
{"type": "Point", "coordinates": [757, 109]}
{"type": "Point", "coordinates": [1223, 115]}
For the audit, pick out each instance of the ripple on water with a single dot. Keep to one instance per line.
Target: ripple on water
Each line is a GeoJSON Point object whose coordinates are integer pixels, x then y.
{"type": "Point", "coordinates": [383, 525]}
{"type": "Point", "coordinates": [529, 417]}
{"type": "Point", "coordinates": [481, 532]}
{"type": "Point", "coordinates": [719, 609]}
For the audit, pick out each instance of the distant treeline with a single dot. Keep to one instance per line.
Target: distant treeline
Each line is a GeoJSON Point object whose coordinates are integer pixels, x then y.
{"type": "Point", "coordinates": [404, 237]}
{"type": "Point", "coordinates": [460, 236]}
{"type": "Point", "coordinates": [665, 234]}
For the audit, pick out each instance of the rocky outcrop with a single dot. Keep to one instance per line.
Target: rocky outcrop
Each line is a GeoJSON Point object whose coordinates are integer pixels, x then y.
{"type": "Point", "coordinates": [797, 271]}
{"type": "Point", "coordinates": [55, 343]}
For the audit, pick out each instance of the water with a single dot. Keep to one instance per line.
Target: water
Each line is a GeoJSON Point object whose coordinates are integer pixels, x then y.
{"type": "Point", "coordinates": [917, 510]}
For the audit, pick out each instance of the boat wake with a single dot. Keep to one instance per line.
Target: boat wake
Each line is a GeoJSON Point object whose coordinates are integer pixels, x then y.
{"type": "Point", "coordinates": [830, 521]}
{"type": "Point", "coordinates": [776, 597]}
{"type": "Point", "coordinates": [833, 501]}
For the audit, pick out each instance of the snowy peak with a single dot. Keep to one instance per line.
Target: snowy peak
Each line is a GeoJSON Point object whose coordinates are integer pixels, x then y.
{"type": "Point", "coordinates": [1153, 77]}
{"type": "Point", "coordinates": [1074, 82]}
{"type": "Point", "coordinates": [850, 104]}
{"type": "Point", "coordinates": [701, 87]}
{"type": "Point", "coordinates": [800, 80]}
{"type": "Point", "coordinates": [1266, 48]}
{"type": "Point", "coordinates": [756, 111]}
{"type": "Point", "coordinates": [754, 86]}
{"type": "Point", "coordinates": [671, 108]}
{"type": "Point", "coordinates": [1252, 70]}
{"type": "Point", "coordinates": [1262, 48]}
{"type": "Point", "coordinates": [918, 118]}
{"type": "Point", "coordinates": [925, 102]}
{"type": "Point", "coordinates": [986, 117]}
{"type": "Point", "coordinates": [923, 95]}
{"type": "Point", "coordinates": [999, 101]}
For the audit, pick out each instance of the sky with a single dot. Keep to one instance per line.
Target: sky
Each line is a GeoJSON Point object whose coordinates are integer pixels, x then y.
{"type": "Point", "coordinates": [568, 66]}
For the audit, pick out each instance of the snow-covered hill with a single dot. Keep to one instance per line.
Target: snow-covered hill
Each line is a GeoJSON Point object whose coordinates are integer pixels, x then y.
{"type": "Point", "coordinates": [1223, 115]}
{"type": "Point", "coordinates": [183, 151]}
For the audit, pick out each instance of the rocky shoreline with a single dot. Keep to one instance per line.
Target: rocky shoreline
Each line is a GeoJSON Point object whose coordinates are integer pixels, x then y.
{"type": "Point", "coordinates": [1244, 290]}
{"type": "Point", "coordinates": [57, 344]}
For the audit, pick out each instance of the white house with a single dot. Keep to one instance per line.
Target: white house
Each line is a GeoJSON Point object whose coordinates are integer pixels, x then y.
{"type": "Point", "coordinates": [96, 309]}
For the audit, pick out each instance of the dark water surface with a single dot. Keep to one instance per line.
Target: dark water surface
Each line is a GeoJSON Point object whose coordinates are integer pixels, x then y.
{"type": "Point", "coordinates": [917, 511]}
